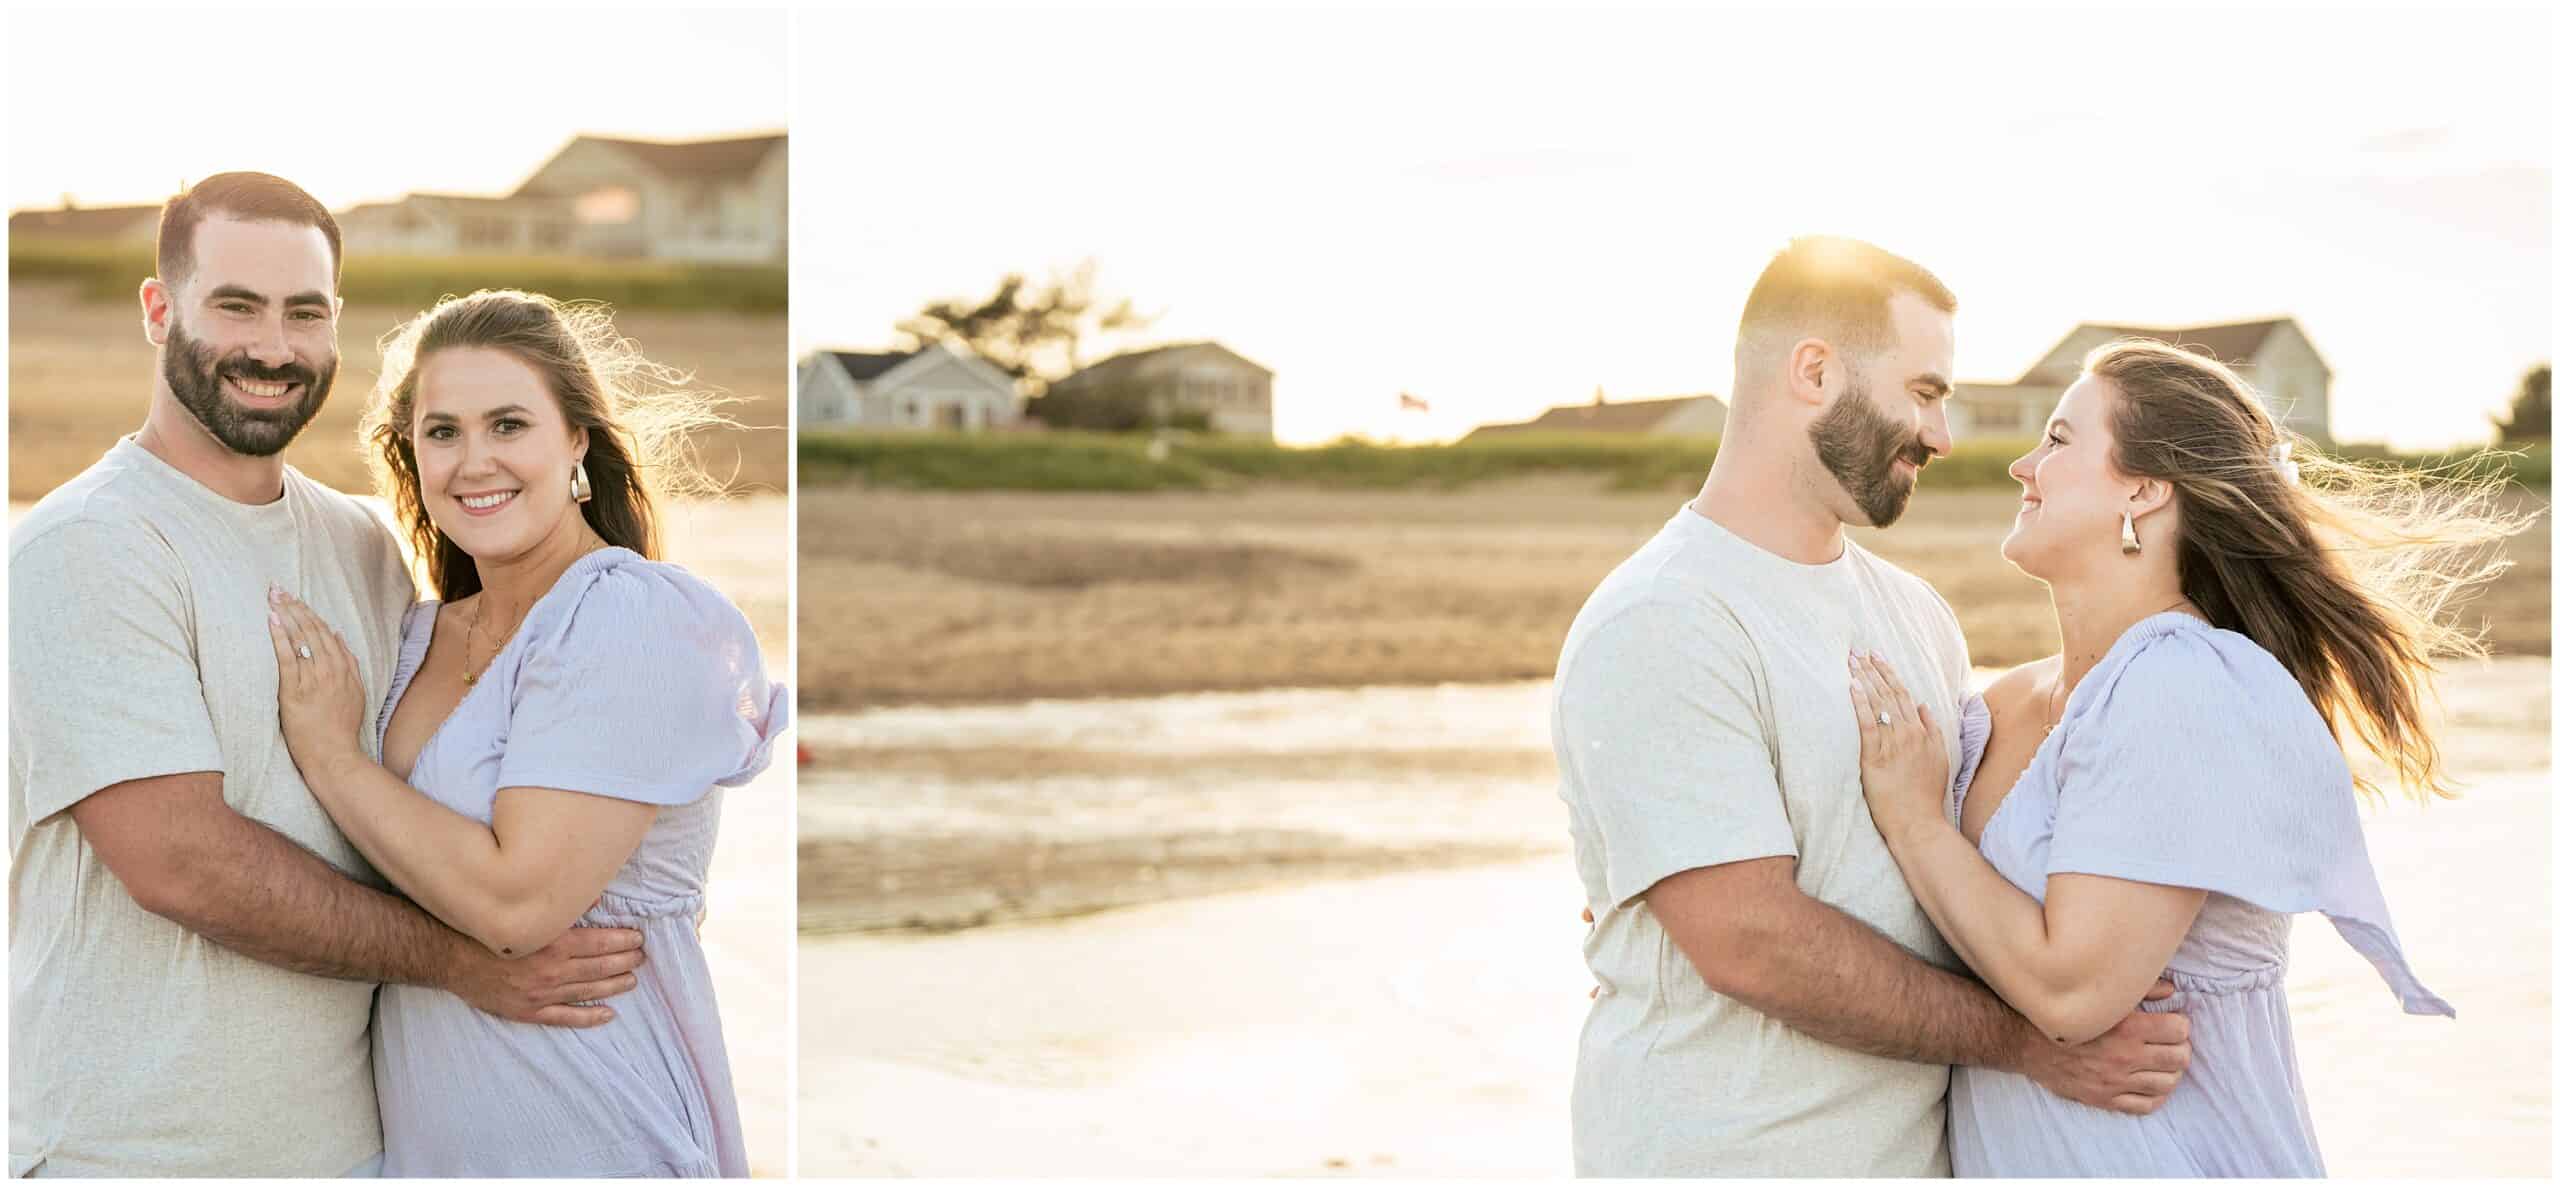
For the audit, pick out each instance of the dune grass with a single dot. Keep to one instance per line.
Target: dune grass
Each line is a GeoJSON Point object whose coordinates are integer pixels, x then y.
{"type": "Point", "coordinates": [109, 272]}
{"type": "Point", "coordinates": [1072, 461]}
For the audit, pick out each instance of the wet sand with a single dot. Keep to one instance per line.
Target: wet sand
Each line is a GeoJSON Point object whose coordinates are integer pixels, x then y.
{"type": "Point", "coordinates": [742, 546]}
{"type": "Point", "coordinates": [946, 818]}
{"type": "Point", "coordinates": [1423, 1022]}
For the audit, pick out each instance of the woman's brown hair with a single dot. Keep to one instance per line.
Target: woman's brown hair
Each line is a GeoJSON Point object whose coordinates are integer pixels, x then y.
{"type": "Point", "coordinates": [639, 418]}
{"type": "Point", "coordinates": [2346, 572]}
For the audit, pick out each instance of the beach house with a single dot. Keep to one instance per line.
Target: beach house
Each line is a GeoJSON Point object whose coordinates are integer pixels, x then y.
{"type": "Point", "coordinates": [1685, 416]}
{"type": "Point", "coordinates": [1203, 381]}
{"type": "Point", "coordinates": [942, 386]}
{"type": "Point", "coordinates": [723, 200]}
{"type": "Point", "coordinates": [2274, 356]}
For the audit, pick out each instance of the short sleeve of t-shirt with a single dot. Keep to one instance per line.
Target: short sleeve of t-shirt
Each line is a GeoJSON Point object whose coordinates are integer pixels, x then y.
{"type": "Point", "coordinates": [653, 690]}
{"type": "Point", "coordinates": [103, 682]}
{"type": "Point", "coordinates": [1665, 737]}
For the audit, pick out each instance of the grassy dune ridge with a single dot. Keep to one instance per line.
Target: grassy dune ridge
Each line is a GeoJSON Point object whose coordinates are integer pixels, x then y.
{"type": "Point", "coordinates": [1072, 461]}
{"type": "Point", "coordinates": [109, 272]}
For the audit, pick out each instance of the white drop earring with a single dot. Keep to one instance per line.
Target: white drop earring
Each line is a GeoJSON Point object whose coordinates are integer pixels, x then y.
{"type": "Point", "coordinates": [2132, 543]}
{"type": "Point", "coordinates": [580, 490]}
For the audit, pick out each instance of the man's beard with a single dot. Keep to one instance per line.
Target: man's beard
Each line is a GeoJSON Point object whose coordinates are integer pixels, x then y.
{"type": "Point", "coordinates": [195, 377]}
{"type": "Point", "coordinates": [1859, 446]}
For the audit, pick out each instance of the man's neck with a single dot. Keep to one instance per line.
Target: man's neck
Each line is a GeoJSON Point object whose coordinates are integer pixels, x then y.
{"type": "Point", "coordinates": [1751, 493]}
{"type": "Point", "coordinates": [173, 435]}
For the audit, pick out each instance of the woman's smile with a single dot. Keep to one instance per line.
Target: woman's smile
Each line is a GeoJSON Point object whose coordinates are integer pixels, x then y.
{"type": "Point", "coordinates": [489, 503]}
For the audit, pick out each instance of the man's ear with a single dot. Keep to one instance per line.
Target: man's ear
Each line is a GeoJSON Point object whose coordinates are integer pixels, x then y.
{"type": "Point", "coordinates": [157, 299]}
{"type": "Point", "coordinates": [1809, 363]}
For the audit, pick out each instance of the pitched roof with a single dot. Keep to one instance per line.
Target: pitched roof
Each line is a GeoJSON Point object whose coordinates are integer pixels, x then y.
{"type": "Point", "coordinates": [1129, 361]}
{"type": "Point", "coordinates": [2231, 342]}
{"type": "Point", "coordinates": [472, 199]}
{"type": "Point", "coordinates": [2235, 343]}
{"type": "Point", "coordinates": [90, 220]}
{"type": "Point", "coordinates": [698, 160]}
{"type": "Point", "coordinates": [1624, 416]}
{"type": "Point", "coordinates": [863, 366]}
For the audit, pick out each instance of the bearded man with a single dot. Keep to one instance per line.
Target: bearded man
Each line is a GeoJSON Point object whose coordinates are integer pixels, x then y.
{"type": "Point", "coordinates": [1772, 1001]}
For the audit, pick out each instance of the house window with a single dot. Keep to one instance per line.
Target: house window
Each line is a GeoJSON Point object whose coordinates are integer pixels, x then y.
{"type": "Point", "coordinates": [953, 416]}
{"type": "Point", "coordinates": [608, 204]}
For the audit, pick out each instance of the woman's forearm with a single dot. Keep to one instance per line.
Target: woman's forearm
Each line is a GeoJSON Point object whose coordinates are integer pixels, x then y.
{"type": "Point", "coordinates": [446, 862]}
{"type": "Point", "coordinates": [1998, 929]}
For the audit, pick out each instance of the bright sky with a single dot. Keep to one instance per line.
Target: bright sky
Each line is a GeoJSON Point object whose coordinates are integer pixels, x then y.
{"type": "Point", "coordinates": [1501, 211]}
{"type": "Point", "coordinates": [116, 107]}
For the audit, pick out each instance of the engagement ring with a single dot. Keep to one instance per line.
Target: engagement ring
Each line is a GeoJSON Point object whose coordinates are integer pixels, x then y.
{"type": "Point", "coordinates": [1883, 718]}
{"type": "Point", "coordinates": [302, 649]}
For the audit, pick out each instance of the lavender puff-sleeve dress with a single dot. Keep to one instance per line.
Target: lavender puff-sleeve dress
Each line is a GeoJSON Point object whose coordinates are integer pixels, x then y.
{"type": "Point", "coordinates": [2187, 757]}
{"type": "Point", "coordinates": [631, 679]}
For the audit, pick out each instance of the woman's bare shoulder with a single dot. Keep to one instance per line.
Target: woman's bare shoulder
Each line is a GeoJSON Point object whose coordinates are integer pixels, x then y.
{"type": "Point", "coordinates": [2018, 688]}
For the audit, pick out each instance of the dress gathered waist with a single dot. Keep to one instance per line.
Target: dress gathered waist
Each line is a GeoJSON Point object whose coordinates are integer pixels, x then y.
{"type": "Point", "coordinates": [2222, 984]}
{"type": "Point", "coordinates": [615, 910]}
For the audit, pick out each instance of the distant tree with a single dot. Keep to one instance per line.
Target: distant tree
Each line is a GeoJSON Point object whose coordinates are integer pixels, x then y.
{"type": "Point", "coordinates": [2529, 414]}
{"type": "Point", "coordinates": [1035, 332]}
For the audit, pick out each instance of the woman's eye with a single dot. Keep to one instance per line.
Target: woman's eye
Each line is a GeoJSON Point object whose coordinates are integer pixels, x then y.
{"type": "Point", "coordinates": [510, 425]}
{"type": "Point", "coordinates": [440, 433]}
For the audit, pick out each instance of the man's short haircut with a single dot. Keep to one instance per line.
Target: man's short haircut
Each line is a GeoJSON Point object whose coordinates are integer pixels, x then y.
{"type": "Point", "coordinates": [249, 197]}
{"type": "Point", "coordinates": [1838, 290]}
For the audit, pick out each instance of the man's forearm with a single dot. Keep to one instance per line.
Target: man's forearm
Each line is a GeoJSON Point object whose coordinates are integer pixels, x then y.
{"type": "Point", "coordinates": [1832, 977]}
{"type": "Point", "coordinates": [256, 892]}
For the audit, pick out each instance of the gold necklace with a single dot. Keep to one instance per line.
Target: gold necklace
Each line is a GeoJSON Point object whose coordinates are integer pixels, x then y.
{"type": "Point", "coordinates": [472, 636]}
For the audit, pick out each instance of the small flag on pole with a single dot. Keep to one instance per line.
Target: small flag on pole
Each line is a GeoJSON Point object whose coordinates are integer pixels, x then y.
{"type": "Point", "coordinates": [1409, 402]}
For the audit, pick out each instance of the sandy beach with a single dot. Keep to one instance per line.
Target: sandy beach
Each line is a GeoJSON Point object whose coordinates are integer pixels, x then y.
{"type": "Point", "coordinates": [1422, 1022]}
{"type": "Point", "coordinates": [915, 597]}
{"type": "Point", "coordinates": [80, 373]}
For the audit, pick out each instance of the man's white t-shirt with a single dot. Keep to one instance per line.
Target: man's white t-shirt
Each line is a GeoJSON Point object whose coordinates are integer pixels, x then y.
{"type": "Point", "coordinates": [138, 647]}
{"type": "Point", "coordinates": [1702, 717]}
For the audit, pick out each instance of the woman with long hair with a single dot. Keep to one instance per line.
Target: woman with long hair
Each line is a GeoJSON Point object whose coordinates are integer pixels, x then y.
{"type": "Point", "coordinates": [2160, 799]}
{"type": "Point", "coordinates": [563, 718]}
